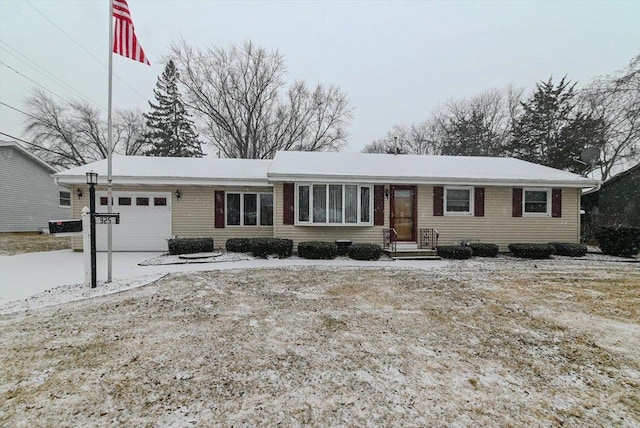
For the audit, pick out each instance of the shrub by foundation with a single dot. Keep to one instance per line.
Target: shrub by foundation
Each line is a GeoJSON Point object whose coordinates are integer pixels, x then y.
{"type": "Point", "coordinates": [364, 251]}
{"type": "Point", "coordinates": [484, 250]}
{"type": "Point", "coordinates": [317, 250]}
{"type": "Point", "coordinates": [531, 251]}
{"type": "Point", "coordinates": [238, 245]}
{"type": "Point", "coordinates": [263, 247]}
{"type": "Point", "coordinates": [619, 241]}
{"type": "Point", "coordinates": [190, 245]}
{"type": "Point", "coordinates": [569, 249]}
{"type": "Point", "coordinates": [459, 252]}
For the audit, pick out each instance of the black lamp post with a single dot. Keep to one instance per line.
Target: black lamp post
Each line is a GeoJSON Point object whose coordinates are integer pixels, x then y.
{"type": "Point", "coordinates": [92, 180]}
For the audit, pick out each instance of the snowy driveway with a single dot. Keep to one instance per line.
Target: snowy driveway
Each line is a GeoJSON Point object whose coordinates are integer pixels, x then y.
{"type": "Point", "coordinates": [25, 275]}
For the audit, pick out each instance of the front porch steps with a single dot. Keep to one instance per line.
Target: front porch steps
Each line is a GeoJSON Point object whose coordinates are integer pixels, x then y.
{"type": "Point", "coordinates": [410, 251]}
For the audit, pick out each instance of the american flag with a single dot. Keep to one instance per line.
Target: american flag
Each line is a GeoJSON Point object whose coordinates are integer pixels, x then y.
{"type": "Point", "coordinates": [125, 42]}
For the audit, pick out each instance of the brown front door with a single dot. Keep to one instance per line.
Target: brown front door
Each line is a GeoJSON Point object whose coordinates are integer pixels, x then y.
{"type": "Point", "coordinates": [403, 210]}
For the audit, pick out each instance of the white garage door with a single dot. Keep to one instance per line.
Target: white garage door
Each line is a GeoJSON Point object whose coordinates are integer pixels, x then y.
{"type": "Point", "coordinates": [145, 221]}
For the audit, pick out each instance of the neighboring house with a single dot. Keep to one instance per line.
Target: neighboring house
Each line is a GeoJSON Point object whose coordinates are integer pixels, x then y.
{"type": "Point", "coordinates": [29, 197]}
{"type": "Point", "coordinates": [330, 196]}
{"type": "Point", "coordinates": [615, 203]}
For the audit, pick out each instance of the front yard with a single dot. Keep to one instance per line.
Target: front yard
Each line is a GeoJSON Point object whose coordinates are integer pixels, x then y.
{"type": "Point", "coordinates": [20, 243]}
{"type": "Point", "coordinates": [480, 342]}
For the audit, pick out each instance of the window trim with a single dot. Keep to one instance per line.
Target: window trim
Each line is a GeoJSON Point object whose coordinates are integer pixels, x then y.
{"type": "Point", "coordinates": [258, 209]}
{"type": "Point", "coordinates": [469, 213]}
{"type": "Point", "coordinates": [60, 198]}
{"type": "Point", "coordinates": [310, 222]}
{"type": "Point", "coordinates": [524, 201]}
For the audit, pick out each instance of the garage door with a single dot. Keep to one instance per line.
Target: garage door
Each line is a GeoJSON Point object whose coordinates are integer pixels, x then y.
{"type": "Point", "coordinates": [145, 221]}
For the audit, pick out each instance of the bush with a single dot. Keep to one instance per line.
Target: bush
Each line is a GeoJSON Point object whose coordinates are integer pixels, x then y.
{"type": "Point", "coordinates": [619, 241]}
{"type": "Point", "coordinates": [459, 252]}
{"type": "Point", "coordinates": [317, 250]}
{"type": "Point", "coordinates": [239, 245]}
{"type": "Point", "coordinates": [190, 245]}
{"type": "Point", "coordinates": [364, 251]}
{"type": "Point", "coordinates": [484, 250]}
{"type": "Point", "coordinates": [263, 247]}
{"type": "Point", "coordinates": [568, 249]}
{"type": "Point", "coordinates": [531, 251]}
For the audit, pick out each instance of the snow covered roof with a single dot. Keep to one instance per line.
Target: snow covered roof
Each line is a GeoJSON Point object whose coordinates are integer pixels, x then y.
{"type": "Point", "coordinates": [417, 169]}
{"type": "Point", "coordinates": [162, 170]}
{"type": "Point", "coordinates": [327, 167]}
{"type": "Point", "coordinates": [22, 149]}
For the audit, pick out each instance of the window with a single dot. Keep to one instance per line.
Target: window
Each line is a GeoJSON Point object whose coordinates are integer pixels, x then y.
{"type": "Point", "coordinates": [249, 209]}
{"type": "Point", "coordinates": [266, 209]}
{"type": "Point", "coordinates": [333, 204]}
{"type": "Point", "coordinates": [458, 200]}
{"type": "Point", "coordinates": [536, 202]}
{"type": "Point", "coordinates": [104, 200]}
{"type": "Point", "coordinates": [124, 201]}
{"type": "Point", "coordinates": [142, 202]}
{"type": "Point", "coordinates": [65, 198]}
{"type": "Point", "coordinates": [160, 202]}
{"type": "Point", "coordinates": [303, 204]}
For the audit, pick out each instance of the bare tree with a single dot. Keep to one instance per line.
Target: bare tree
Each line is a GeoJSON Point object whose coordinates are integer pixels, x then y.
{"type": "Point", "coordinates": [245, 108]}
{"type": "Point", "coordinates": [616, 100]}
{"type": "Point", "coordinates": [74, 133]}
{"type": "Point", "coordinates": [480, 125]}
{"type": "Point", "coordinates": [422, 138]}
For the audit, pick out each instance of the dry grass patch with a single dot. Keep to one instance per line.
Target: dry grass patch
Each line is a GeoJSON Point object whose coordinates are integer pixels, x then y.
{"type": "Point", "coordinates": [19, 243]}
{"type": "Point", "coordinates": [477, 343]}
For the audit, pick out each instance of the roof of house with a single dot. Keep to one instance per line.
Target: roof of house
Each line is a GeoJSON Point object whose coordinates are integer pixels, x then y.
{"type": "Point", "coordinates": [328, 167]}
{"type": "Point", "coordinates": [463, 170]}
{"type": "Point", "coordinates": [162, 170]}
{"type": "Point", "coordinates": [28, 154]}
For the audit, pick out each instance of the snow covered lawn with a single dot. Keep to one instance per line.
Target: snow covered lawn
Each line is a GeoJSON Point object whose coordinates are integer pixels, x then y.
{"type": "Point", "coordinates": [481, 342]}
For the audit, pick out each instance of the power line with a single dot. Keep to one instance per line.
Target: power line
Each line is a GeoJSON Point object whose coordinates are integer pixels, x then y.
{"type": "Point", "coordinates": [84, 49]}
{"type": "Point", "coordinates": [29, 143]}
{"type": "Point", "coordinates": [42, 70]}
{"type": "Point", "coordinates": [18, 110]}
{"type": "Point", "coordinates": [35, 83]}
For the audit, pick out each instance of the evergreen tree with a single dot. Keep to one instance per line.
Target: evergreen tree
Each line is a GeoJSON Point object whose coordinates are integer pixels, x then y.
{"type": "Point", "coordinates": [470, 135]}
{"type": "Point", "coordinates": [550, 131]}
{"type": "Point", "coordinates": [170, 129]}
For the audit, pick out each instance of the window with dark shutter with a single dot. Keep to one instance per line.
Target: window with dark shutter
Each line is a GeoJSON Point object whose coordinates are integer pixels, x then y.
{"type": "Point", "coordinates": [478, 202]}
{"type": "Point", "coordinates": [556, 203]}
{"type": "Point", "coordinates": [517, 202]}
{"type": "Point", "coordinates": [438, 201]}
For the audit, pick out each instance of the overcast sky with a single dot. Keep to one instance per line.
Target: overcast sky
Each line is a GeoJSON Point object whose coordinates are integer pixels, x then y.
{"type": "Point", "coordinates": [395, 60]}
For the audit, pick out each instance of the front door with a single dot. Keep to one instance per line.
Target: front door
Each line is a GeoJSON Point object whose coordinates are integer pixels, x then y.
{"type": "Point", "coordinates": [403, 208]}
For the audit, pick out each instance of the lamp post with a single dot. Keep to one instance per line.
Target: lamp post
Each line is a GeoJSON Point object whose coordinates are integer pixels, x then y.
{"type": "Point", "coordinates": [92, 180]}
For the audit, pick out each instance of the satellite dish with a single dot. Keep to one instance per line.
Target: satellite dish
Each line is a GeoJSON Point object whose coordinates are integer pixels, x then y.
{"type": "Point", "coordinates": [590, 155]}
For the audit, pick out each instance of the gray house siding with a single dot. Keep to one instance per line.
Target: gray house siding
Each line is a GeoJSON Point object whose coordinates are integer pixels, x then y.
{"type": "Point", "coordinates": [29, 197]}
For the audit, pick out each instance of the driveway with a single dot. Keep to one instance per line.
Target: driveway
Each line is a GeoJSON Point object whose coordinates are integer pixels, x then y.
{"type": "Point", "coordinates": [24, 275]}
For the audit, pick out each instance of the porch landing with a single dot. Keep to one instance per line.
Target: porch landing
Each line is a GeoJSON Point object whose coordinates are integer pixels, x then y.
{"type": "Point", "coordinates": [410, 251]}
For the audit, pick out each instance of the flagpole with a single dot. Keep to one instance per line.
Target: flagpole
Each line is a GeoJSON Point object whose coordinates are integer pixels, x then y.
{"type": "Point", "coordinates": [109, 144]}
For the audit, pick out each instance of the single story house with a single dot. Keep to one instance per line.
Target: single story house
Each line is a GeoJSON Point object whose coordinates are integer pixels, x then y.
{"type": "Point", "coordinates": [332, 196]}
{"type": "Point", "coordinates": [28, 196]}
{"type": "Point", "coordinates": [615, 203]}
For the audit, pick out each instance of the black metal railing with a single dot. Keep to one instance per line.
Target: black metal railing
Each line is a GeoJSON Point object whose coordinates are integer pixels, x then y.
{"type": "Point", "coordinates": [389, 240]}
{"type": "Point", "coordinates": [428, 238]}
